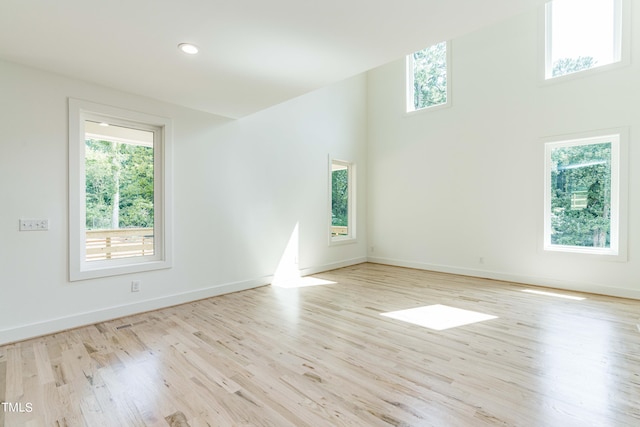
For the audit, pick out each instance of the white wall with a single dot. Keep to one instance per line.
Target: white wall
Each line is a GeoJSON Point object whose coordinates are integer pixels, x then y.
{"type": "Point", "coordinates": [240, 188]}
{"type": "Point", "coordinates": [436, 190]}
{"type": "Point", "coordinates": [451, 186]}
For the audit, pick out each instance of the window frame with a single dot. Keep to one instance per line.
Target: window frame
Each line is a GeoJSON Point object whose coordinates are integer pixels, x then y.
{"type": "Point", "coordinates": [622, 38]}
{"type": "Point", "coordinates": [619, 177]}
{"type": "Point", "coordinates": [79, 267]}
{"type": "Point", "coordinates": [409, 86]}
{"type": "Point", "coordinates": [351, 203]}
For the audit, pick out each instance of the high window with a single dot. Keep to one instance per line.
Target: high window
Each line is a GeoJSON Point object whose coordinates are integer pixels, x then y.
{"type": "Point", "coordinates": [581, 35]}
{"type": "Point", "coordinates": [342, 209]}
{"type": "Point", "coordinates": [428, 77]}
{"type": "Point", "coordinates": [582, 195]}
{"type": "Point", "coordinates": [118, 191]}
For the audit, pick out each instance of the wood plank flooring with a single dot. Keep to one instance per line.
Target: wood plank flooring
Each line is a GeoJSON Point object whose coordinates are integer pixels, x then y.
{"type": "Point", "coordinates": [324, 356]}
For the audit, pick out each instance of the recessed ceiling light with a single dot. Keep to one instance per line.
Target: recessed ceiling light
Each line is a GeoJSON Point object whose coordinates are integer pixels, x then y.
{"type": "Point", "coordinates": [188, 48]}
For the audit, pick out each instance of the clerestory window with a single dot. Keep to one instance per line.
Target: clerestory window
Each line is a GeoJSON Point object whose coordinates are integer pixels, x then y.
{"type": "Point", "coordinates": [581, 35]}
{"type": "Point", "coordinates": [429, 77]}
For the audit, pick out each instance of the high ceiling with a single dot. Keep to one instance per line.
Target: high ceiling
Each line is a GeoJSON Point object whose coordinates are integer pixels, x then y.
{"type": "Point", "coordinates": [253, 53]}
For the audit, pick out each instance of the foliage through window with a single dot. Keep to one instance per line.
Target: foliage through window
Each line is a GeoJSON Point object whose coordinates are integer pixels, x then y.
{"type": "Point", "coordinates": [118, 198]}
{"type": "Point", "coordinates": [341, 201]}
{"type": "Point", "coordinates": [581, 34]}
{"type": "Point", "coordinates": [119, 180]}
{"type": "Point", "coordinates": [119, 191]}
{"type": "Point", "coordinates": [581, 196]}
{"type": "Point", "coordinates": [427, 78]}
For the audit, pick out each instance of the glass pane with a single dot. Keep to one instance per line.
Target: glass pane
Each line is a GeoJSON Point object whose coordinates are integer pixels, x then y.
{"type": "Point", "coordinates": [339, 200]}
{"type": "Point", "coordinates": [430, 76]}
{"type": "Point", "coordinates": [581, 195]}
{"type": "Point", "coordinates": [119, 191]}
{"type": "Point", "coordinates": [582, 35]}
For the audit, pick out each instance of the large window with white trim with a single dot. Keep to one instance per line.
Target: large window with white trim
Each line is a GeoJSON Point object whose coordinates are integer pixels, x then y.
{"type": "Point", "coordinates": [583, 195]}
{"type": "Point", "coordinates": [119, 217]}
{"type": "Point", "coordinates": [582, 35]}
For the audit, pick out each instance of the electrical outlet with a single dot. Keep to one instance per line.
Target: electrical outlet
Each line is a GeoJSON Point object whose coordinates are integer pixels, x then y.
{"type": "Point", "coordinates": [135, 286]}
{"type": "Point", "coordinates": [34, 224]}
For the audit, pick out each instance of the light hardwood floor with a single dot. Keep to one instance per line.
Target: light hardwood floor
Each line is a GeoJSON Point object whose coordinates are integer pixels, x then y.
{"type": "Point", "coordinates": [323, 356]}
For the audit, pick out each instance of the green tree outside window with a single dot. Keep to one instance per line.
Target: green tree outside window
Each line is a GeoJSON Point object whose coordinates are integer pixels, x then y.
{"type": "Point", "coordinates": [430, 76]}
{"type": "Point", "coordinates": [581, 195]}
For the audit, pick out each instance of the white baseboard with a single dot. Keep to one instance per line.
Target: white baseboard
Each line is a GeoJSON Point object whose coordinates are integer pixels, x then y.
{"type": "Point", "coordinates": [592, 288]}
{"type": "Point", "coordinates": [50, 326]}
{"type": "Point", "coordinates": [77, 320]}
{"type": "Point", "coordinates": [321, 268]}
{"type": "Point", "coordinates": [37, 329]}
{"type": "Point", "coordinates": [32, 330]}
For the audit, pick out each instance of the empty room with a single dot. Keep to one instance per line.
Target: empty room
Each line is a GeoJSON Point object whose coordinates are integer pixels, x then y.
{"type": "Point", "coordinates": [285, 213]}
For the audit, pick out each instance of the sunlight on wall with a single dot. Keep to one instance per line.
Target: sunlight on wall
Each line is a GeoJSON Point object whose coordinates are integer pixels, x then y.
{"type": "Point", "coordinates": [287, 274]}
{"type": "Point", "coordinates": [288, 270]}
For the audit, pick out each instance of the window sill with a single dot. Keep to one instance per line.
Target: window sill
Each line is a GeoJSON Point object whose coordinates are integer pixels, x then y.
{"type": "Point", "coordinates": [427, 109]}
{"type": "Point", "coordinates": [593, 253]}
{"type": "Point", "coordinates": [342, 241]}
{"type": "Point", "coordinates": [102, 270]}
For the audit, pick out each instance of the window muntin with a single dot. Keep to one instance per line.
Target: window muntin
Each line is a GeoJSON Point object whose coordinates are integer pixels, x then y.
{"type": "Point", "coordinates": [119, 217]}
{"type": "Point", "coordinates": [342, 227]}
{"type": "Point", "coordinates": [582, 188]}
{"type": "Point", "coordinates": [581, 35]}
{"type": "Point", "coordinates": [428, 77]}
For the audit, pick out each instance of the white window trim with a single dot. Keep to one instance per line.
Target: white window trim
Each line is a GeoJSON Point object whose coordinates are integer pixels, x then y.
{"type": "Point", "coordinates": [408, 84]}
{"type": "Point", "coordinates": [79, 268]}
{"type": "Point", "coordinates": [622, 37]}
{"type": "Point", "coordinates": [351, 216]}
{"type": "Point", "coordinates": [619, 138]}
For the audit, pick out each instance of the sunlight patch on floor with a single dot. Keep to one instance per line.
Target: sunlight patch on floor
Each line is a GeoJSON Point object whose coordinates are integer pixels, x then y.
{"type": "Point", "coordinates": [552, 294]}
{"type": "Point", "coordinates": [300, 282]}
{"type": "Point", "coordinates": [439, 317]}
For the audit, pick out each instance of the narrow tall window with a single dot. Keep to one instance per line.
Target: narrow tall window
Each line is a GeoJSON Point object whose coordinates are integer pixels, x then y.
{"type": "Point", "coordinates": [581, 34]}
{"type": "Point", "coordinates": [582, 209]}
{"type": "Point", "coordinates": [118, 195]}
{"type": "Point", "coordinates": [428, 77]}
{"type": "Point", "coordinates": [342, 227]}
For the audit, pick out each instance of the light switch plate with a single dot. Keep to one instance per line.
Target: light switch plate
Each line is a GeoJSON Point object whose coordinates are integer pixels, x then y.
{"type": "Point", "coordinates": [34, 224]}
